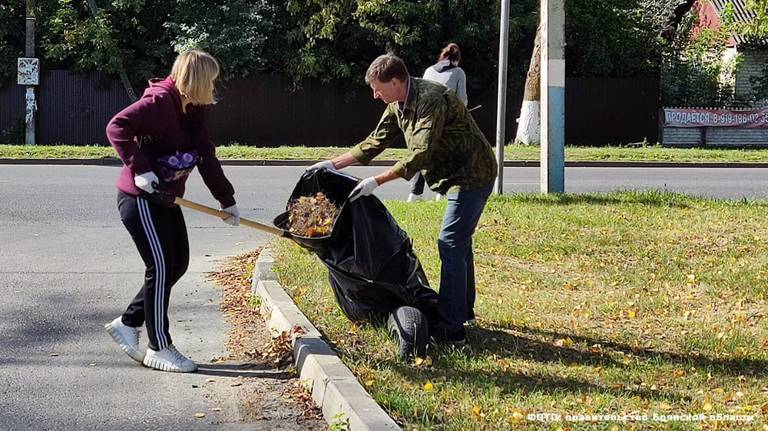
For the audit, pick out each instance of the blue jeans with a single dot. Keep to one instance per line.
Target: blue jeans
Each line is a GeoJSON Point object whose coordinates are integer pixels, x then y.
{"type": "Point", "coordinates": [457, 270]}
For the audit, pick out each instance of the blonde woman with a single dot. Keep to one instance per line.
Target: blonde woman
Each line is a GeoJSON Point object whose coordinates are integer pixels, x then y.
{"type": "Point", "coordinates": [160, 139]}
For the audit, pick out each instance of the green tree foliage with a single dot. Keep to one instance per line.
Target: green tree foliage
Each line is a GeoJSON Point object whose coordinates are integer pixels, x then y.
{"type": "Point", "coordinates": [694, 71]}
{"type": "Point", "coordinates": [119, 34]}
{"type": "Point", "coordinates": [11, 44]}
{"type": "Point", "coordinates": [237, 32]}
{"type": "Point", "coordinates": [331, 39]}
{"type": "Point", "coordinates": [614, 38]}
{"type": "Point", "coordinates": [142, 36]}
{"type": "Point", "coordinates": [335, 39]}
{"type": "Point", "coordinates": [757, 28]}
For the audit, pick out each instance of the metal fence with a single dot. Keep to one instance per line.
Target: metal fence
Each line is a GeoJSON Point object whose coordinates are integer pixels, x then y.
{"type": "Point", "coordinates": [603, 111]}
{"type": "Point", "coordinates": [265, 111]}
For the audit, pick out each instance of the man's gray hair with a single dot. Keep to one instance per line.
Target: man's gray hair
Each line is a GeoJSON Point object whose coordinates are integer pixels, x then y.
{"type": "Point", "coordinates": [386, 67]}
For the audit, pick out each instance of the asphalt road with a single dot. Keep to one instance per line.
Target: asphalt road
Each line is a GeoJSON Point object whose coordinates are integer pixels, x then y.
{"type": "Point", "coordinates": [67, 266]}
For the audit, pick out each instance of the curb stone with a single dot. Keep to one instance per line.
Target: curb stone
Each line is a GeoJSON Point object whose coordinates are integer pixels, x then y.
{"type": "Point", "coordinates": [335, 390]}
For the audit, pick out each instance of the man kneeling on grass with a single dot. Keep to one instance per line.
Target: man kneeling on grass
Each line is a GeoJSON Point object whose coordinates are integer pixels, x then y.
{"type": "Point", "coordinates": [454, 157]}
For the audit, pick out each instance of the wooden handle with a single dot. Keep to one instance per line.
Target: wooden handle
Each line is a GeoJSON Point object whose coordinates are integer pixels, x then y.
{"type": "Point", "coordinates": [218, 213]}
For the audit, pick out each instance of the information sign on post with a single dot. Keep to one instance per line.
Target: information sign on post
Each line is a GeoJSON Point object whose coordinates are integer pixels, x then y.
{"type": "Point", "coordinates": [28, 71]}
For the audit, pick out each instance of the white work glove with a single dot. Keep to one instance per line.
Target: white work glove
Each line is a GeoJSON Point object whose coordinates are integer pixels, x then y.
{"type": "Point", "coordinates": [364, 188]}
{"type": "Point", "coordinates": [234, 218]}
{"type": "Point", "coordinates": [324, 164]}
{"type": "Point", "coordinates": [146, 181]}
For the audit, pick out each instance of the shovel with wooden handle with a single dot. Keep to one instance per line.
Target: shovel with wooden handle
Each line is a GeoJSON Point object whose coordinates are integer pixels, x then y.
{"type": "Point", "coordinates": [243, 221]}
{"type": "Point", "coordinates": [167, 197]}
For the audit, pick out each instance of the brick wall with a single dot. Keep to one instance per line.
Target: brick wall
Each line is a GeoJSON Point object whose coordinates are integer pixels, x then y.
{"type": "Point", "coordinates": [753, 64]}
{"type": "Point", "coordinates": [714, 137]}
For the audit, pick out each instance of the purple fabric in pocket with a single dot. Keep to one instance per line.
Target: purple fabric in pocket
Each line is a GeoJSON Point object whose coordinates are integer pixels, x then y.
{"type": "Point", "coordinates": [177, 166]}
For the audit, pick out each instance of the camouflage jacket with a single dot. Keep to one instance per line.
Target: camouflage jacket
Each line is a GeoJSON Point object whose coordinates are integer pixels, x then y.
{"type": "Point", "coordinates": [444, 141]}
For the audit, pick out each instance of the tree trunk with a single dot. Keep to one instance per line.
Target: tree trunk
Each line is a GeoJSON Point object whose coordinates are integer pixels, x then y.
{"type": "Point", "coordinates": [529, 124]}
{"type": "Point", "coordinates": [123, 76]}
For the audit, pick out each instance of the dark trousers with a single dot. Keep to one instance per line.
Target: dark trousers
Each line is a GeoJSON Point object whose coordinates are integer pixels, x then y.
{"type": "Point", "coordinates": [417, 184]}
{"type": "Point", "coordinates": [457, 269]}
{"type": "Point", "coordinates": [160, 235]}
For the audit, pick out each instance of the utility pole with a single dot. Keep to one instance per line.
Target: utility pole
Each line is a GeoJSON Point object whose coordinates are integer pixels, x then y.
{"type": "Point", "coordinates": [501, 101]}
{"type": "Point", "coordinates": [28, 74]}
{"type": "Point", "coordinates": [552, 171]}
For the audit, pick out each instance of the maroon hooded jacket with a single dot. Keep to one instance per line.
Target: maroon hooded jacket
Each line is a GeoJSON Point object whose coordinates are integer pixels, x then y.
{"type": "Point", "coordinates": [158, 116]}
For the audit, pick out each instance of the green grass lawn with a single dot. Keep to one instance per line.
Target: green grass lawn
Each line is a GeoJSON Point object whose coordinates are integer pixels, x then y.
{"type": "Point", "coordinates": [512, 152]}
{"type": "Point", "coordinates": [621, 303]}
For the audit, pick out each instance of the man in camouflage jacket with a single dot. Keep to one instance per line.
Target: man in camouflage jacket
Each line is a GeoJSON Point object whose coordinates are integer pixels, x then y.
{"type": "Point", "coordinates": [456, 160]}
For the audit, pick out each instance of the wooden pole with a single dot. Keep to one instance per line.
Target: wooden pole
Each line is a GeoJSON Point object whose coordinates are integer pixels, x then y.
{"type": "Point", "coordinates": [30, 105]}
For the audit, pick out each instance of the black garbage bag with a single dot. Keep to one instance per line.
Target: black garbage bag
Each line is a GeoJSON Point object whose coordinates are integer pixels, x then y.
{"type": "Point", "coordinates": [371, 265]}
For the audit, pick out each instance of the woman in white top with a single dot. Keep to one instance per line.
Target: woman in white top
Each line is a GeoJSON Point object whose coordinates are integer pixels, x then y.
{"type": "Point", "coordinates": [447, 72]}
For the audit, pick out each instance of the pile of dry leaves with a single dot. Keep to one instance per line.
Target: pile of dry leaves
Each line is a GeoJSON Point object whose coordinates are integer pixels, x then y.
{"type": "Point", "coordinates": [311, 216]}
{"type": "Point", "coordinates": [247, 338]}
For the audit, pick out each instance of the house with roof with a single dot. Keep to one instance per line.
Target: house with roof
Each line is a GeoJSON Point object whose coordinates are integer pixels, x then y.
{"type": "Point", "coordinates": [753, 54]}
{"type": "Point", "coordinates": [690, 126]}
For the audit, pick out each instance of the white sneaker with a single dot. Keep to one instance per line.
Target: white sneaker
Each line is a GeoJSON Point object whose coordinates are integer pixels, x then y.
{"type": "Point", "coordinates": [126, 337]}
{"type": "Point", "coordinates": [414, 197]}
{"type": "Point", "coordinates": [438, 196]}
{"type": "Point", "coordinates": [169, 359]}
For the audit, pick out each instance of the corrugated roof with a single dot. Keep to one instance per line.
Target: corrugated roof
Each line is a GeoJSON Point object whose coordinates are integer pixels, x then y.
{"type": "Point", "coordinates": [742, 15]}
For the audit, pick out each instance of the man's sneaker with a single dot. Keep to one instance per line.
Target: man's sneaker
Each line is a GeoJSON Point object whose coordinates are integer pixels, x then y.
{"type": "Point", "coordinates": [169, 359]}
{"type": "Point", "coordinates": [414, 197]}
{"type": "Point", "coordinates": [471, 322]}
{"type": "Point", "coordinates": [126, 337]}
{"type": "Point", "coordinates": [457, 337]}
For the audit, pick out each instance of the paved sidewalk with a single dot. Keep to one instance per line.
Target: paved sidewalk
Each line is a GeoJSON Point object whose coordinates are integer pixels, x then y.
{"type": "Point", "coordinates": [67, 266]}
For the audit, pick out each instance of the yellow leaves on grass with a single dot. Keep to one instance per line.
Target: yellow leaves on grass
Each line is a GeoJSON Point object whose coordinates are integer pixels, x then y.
{"type": "Point", "coordinates": [477, 412]}
{"type": "Point", "coordinates": [504, 365]}
{"type": "Point", "coordinates": [423, 362]}
{"type": "Point", "coordinates": [564, 342]}
{"type": "Point", "coordinates": [429, 387]}
{"type": "Point", "coordinates": [516, 417]}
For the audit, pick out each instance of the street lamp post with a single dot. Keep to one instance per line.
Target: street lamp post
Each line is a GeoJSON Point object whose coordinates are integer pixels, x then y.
{"type": "Point", "coordinates": [501, 105]}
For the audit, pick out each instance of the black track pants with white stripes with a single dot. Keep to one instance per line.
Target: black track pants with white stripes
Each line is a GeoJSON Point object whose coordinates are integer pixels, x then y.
{"type": "Point", "coordinates": [160, 235]}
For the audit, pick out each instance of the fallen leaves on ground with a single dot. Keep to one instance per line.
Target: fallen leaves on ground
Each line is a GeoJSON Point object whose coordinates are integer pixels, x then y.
{"type": "Point", "coordinates": [233, 276]}
{"type": "Point", "coordinates": [247, 338]}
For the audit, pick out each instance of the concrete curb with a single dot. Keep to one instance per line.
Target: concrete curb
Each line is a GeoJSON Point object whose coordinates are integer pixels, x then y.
{"type": "Point", "coordinates": [335, 390]}
{"type": "Point", "coordinates": [507, 163]}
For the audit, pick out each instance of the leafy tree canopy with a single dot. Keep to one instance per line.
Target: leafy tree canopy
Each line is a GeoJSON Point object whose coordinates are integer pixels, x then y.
{"type": "Point", "coordinates": [330, 39]}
